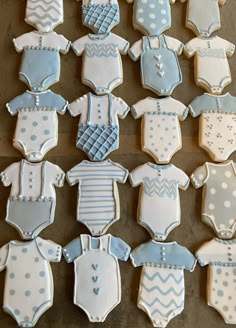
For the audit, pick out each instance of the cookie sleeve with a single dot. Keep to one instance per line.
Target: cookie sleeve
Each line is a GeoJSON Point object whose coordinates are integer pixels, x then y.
{"type": "Point", "coordinates": [188, 260]}
{"type": "Point", "coordinates": [63, 44]}
{"type": "Point", "coordinates": [49, 250]}
{"type": "Point", "coordinates": [229, 47]}
{"type": "Point", "coordinates": [73, 176]}
{"type": "Point", "coordinates": [79, 45]}
{"type": "Point", "coordinates": [136, 176]}
{"type": "Point", "coordinates": [122, 109]}
{"type": "Point", "coordinates": [138, 255]}
{"type": "Point", "coordinates": [56, 175]}
{"type": "Point", "coordinates": [180, 109]}
{"type": "Point", "coordinates": [72, 250]}
{"type": "Point", "coordinates": [119, 248]}
{"type": "Point", "coordinates": [121, 174]}
{"type": "Point", "coordinates": [191, 47]}
{"type": "Point", "coordinates": [206, 252]}
{"type": "Point", "coordinates": [4, 252]}
{"type": "Point", "coordinates": [8, 175]}
{"type": "Point", "coordinates": [139, 108]}
{"type": "Point", "coordinates": [136, 50]}
{"type": "Point", "coordinates": [59, 103]}
{"type": "Point", "coordinates": [175, 45]}
{"type": "Point", "coordinates": [182, 178]}
{"type": "Point", "coordinates": [123, 45]}
{"type": "Point", "coordinates": [21, 41]}
{"type": "Point", "coordinates": [15, 104]}
{"type": "Point", "coordinates": [78, 106]}
{"type": "Point", "coordinates": [199, 176]}
{"type": "Point", "coordinates": [196, 107]}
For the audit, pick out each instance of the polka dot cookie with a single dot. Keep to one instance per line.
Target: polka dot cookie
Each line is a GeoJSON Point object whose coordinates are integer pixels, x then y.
{"type": "Point", "coordinates": [219, 192]}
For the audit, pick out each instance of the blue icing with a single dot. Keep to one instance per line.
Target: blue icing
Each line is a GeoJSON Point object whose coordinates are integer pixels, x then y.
{"type": "Point", "coordinates": [72, 250]}
{"type": "Point", "coordinates": [119, 248]}
{"type": "Point", "coordinates": [46, 99]}
{"type": "Point", "coordinates": [163, 254]}
{"type": "Point", "coordinates": [159, 67]}
{"type": "Point", "coordinates": [101, 18]}
{"type": "Point", "coordinates": [206, 102]}
{"type": "Point", "coordinates": [152, 17]}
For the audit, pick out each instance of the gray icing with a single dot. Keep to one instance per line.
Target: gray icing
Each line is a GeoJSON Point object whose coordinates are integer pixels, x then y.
{"type": "Point", "coordinates": [209, 103]}
{"type": "Point", "coordinates": [160, 70]}
{"type": "Point", "coordinates": [163, 254]}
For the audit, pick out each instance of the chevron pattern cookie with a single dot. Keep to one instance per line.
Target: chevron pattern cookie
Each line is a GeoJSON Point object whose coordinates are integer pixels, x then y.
{"type": "Point", "coordinates": [44, 15]}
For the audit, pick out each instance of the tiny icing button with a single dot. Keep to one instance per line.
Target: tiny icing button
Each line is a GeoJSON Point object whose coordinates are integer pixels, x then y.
{"type": "Point", "coordinates": [98, 134]}
{"type": "Point", "coordinates": [161, 134]}
{"type": "Point", "coordinates": [159, 204]}
{"type": "Point", "coordinates": [95, 272]}
{"type": "Point", "coordinates": [218, 200]}
{"type": "Point", "coordinates": [161, 290]}
{"type": "Point", "coordinates": [26, 211]}
{"type": "Point", "coordinates": [98, 200]}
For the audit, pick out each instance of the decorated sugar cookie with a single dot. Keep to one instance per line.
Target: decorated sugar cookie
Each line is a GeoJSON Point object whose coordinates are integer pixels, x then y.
{"type": "Point", "coordinates": [32, 201]}
{"type": "Point", "coordinates": [97, 288]}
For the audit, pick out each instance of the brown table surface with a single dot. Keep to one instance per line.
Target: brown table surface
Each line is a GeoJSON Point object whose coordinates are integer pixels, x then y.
{"type": "Point", "coordinates": [191, 233]}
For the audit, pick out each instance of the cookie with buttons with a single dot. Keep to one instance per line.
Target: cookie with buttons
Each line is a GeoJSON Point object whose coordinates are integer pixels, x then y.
{"type": "Point", "coordinates": [40, 65]}
{"type": "Point", "coordinates": [28, 289]}
{"type": "Point", "coordinates": [44, 15]}
{"type": "Point", "coordinates": [161, 290]}
{"type": "Point", "coordinates": [212, 70]}
{"type": "Point", "coordinates": [32, 201]}
{"type": "Point", "coordinates": [152, 17]}
{"type": "Point", "coordinates": [203, 16]}
{"type": "Point", "coordinates": [161, 134]}
{"type": "Point", "coordinates": [220, 257]}
{"type": "Point", "coordinates": [102, 67]}
{"type": "Point", "coordinates": [217, 124]}
{"type": "Point", "coordinates": [159, 203]}
{"type": "Point", "coordinates": [97, 287]}
{"type": "Point", "coordinates": [98, 129]}
{"type": "Point", "coordinates": [37, 123]}
{"type": "Point", "coordinates": [218, 197]}
{"type": "Point", "coordinates": [160, 69]}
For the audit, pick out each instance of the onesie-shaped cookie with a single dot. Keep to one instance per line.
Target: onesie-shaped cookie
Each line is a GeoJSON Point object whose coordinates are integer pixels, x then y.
{"type": "Point", "coordinates": [100, 15]}
{"type": "Point", "coordinates": [152, 17]}
{"type": "Point", "coordinates": [98, 130]}
{"type": "Point", "coordinates": [32, 201]}
{"type": "Point", "coordinates": [40, 66]}
{"type": "Point", "coordinates": [212, 71]}
{"type": "Point", "coordinates": [219, 194]}
{"type": "Point", "coordinates": [44, 15]}
{"type": "Point", "coordinates": [217, 132]}
{"type": "Point", "coordinates": [203, 16]}
{"type": "Point", "coordinates": [160, 70]}
{"type": "Point", "coordinates": [98, 198]}
{"type": "Point", "coordinates": [28, 290]}
{"type": "Point", "coordinates": [220, 255]}
{"type": "Point", "coordinates": [102, 66]}
{"type": "Point", "coordinates": [37, 124]}
{"type": "Point", "coordinates": [97, 288]}
{"type": "Point", "coordinates": [161, 134]}
{"type": "Point", "coordinates": [159, 204]}
{"type": "Point", "coordinates": [161, 290]}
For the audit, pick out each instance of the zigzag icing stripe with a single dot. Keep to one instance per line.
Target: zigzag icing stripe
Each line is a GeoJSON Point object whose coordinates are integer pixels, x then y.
{"type": "Point", "coordinates": [44, 1]}
{"type": "Point", "coordinates": [164, 293]}
{"type": "Point", "coordinates": [151, 278]}
{"type": "Point", "coordinates": [101, 50]}
{"type": "Point", "coordinates": [166, 306]}
{"type": "Point", "coordinates": [160, 188]}
{"type": "Point", "coordinates": [167, 313]}
{"type": "Point", "coordinates": [43, 17]}
{"type": "Point", "coordinates": [39, 7]}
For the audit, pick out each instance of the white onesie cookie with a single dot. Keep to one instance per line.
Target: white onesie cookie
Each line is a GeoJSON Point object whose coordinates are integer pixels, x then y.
{"type": "Point", "coordinates": [212, 71]}
{"type": "Point", "coordinates": [161, 134]}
